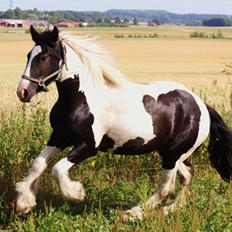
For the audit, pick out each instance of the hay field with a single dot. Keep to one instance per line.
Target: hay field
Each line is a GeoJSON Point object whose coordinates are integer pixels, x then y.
{"type": "Point", "coordinates": [174, 56]}
{"type": "Point", "coordinates": [113, 183]}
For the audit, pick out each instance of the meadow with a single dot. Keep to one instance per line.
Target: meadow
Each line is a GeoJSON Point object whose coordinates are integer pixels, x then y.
{"type": "Point", "coordinates": [114, 183]}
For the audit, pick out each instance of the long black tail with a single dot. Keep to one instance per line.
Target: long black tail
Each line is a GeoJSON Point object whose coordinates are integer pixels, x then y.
{"type": "Point", "coordinates": [220, 145]}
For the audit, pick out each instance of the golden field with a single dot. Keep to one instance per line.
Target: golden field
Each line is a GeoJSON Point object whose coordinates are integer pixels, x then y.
{"type": "Point", "coordinates": [197, 63]}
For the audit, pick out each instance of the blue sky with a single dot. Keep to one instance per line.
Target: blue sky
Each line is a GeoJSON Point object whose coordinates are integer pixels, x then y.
{"type": "Point", "coordinates": [177, 6]}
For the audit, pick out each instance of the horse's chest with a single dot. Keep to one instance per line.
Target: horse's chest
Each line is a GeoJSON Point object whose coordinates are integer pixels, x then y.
{"type": "Point", "coordinates": [74, 121]}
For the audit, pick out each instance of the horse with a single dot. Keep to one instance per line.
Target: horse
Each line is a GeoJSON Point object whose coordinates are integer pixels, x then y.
{"type": "Point", "coordinates": [98, 109]}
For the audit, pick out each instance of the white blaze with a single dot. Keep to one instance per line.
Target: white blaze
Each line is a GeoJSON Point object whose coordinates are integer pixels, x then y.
{"type": "Point", "coordinates": [34, 52]}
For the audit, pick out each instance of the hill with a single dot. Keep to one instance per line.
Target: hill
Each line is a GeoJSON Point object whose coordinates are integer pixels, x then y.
{"type": "Point", "coordinates": [162, 16]}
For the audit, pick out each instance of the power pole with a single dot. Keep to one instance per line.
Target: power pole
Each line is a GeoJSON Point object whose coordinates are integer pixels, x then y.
{"type": "Point", "coordinates": [11, 4]}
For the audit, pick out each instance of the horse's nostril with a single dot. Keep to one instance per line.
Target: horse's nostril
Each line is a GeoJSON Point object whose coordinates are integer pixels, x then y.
{"type": "Point", "coordinates": [24, 93]}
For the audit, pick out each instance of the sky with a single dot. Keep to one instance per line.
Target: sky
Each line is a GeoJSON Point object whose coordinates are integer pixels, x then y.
{"type": "Point", "coordinates": [175, 6]}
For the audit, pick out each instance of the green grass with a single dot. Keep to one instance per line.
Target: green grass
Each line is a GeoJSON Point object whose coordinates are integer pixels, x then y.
{"type": "Point", "coordinates": [112, 183]}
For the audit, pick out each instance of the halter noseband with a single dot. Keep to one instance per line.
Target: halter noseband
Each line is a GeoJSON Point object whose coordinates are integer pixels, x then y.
{"type": "Point", "coordinates": [41, 81]}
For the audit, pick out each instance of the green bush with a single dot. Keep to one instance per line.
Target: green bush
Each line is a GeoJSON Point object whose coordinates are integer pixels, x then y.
{"type": "Point", "coordinates": [196, 34]}
{"type": "Point", "coordinates": [137, 36]}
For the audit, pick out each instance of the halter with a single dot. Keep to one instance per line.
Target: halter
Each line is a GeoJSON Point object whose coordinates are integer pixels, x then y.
{"type": "Point", "coordinates": [41, 81]}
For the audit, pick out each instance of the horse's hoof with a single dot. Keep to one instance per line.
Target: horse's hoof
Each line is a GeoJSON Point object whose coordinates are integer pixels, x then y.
{"type": "Point", "coordinates": [133, 214]}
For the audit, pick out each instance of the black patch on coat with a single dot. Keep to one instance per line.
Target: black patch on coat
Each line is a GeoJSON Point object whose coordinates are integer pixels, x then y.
{"type": "Point", "coordinates": [81, 152]}
{"type": "Point", "coordinates": [137, 146]}
{"type": "Point", "coordinates": [175, 117]}
{"type": "Point", "coordinates": [106, 143]}
{"type": "Point", "coordinates": [70, 117]}
{"type": "Point", "coordinates": [131, 147]}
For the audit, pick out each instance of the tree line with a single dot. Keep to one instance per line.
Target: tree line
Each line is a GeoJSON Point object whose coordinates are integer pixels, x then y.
{"type": "Point", "coordinates": [118, 17]}
{"type": "Point", "coordinates": [217, 22]}
{"type": "Point", "coordinates": [55, 16]}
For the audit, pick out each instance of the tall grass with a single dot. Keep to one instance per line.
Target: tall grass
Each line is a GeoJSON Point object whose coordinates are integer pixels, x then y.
{"type": "Point", "coordinates": [112, 183]}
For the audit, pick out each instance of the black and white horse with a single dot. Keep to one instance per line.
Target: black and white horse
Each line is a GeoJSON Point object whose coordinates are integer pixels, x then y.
{"type": "Point", "coordinates": [99, 110]}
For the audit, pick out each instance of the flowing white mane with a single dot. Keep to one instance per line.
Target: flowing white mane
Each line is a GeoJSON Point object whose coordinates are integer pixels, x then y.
{"type": "Point", "coordinates": [95, 59]}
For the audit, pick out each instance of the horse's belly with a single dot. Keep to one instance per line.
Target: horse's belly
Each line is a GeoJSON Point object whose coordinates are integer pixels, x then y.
{"type": "Point", "coordinates": [133, 130]}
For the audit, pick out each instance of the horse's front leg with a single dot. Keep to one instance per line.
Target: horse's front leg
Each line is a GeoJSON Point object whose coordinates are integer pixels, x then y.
{"type": "Point", "coordinates": [72, 190]}
{"type": "Point", "coordinates": [28, 187]}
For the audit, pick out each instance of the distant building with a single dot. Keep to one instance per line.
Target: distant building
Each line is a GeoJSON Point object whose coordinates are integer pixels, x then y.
{"type": "Point", "coordinates": [15, 23]}
{"type": "Point", "coordinates": [142, 23]}
{"type": "Point", "coordinates": [36, 23]}
{"type": "Point", "coordinates": [11, 23]}
{"type": "Point", "coordinates": [3, 23]}
{"type": "Point", "coordinates": [68, 24]}
{"type": "Point", "coordinates": [84, 24]}
{"type": "Point", "coordinates": [153, 24]}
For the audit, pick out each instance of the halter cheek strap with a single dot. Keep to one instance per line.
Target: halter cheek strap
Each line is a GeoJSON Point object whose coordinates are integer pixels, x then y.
{"type": "Point", "coordinates": [41, 82]}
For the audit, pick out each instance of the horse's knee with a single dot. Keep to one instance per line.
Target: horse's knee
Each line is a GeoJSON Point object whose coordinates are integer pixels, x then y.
{"type": "Point", "coordinates": [61, 168]}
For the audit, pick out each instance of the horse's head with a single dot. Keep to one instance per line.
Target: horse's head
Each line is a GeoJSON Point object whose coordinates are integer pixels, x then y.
{"type": "Point", "coordinates": [44, 64]}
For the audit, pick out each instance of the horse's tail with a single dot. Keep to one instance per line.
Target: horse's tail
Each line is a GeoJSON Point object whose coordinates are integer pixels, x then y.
{"type": "Point", "coordinates": [220, 145]}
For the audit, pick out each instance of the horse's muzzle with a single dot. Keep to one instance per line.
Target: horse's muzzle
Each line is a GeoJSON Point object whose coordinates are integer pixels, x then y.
{"type": "Point", "coordinates": [23, 94]}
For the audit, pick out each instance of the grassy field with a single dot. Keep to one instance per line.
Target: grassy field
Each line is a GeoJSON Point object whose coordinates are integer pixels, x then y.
{"type": "Point", "coordinates": [114, 183]}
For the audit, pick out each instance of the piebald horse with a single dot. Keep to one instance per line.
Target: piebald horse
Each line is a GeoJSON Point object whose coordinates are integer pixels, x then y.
{"type": "Point", "coordinates": [99, 110]}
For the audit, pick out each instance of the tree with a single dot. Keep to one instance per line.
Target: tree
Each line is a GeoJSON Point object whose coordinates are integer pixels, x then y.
{"type": "Point", "coordinates": [136, 21]}
{"type": "Point", "coordinates": [32, 16]}
{"type": "Point", "coordinates": [9, 14]}
{"type": "Point", "coordinates": [117, 20]}
{"type": "Point", "coordinates": [126, 20]}
{"type": "Point", "coordinates": [18, 13]}
{"type": "Point", "coordinates": [217, 22]}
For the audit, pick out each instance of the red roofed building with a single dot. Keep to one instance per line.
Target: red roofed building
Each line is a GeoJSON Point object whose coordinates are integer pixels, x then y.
{"type": "Point", "coordinates": [68, 24]}
{"type": "Point", "coordinates": [11, 23]}
{"type": "Point", "coordinates": [3, 23]}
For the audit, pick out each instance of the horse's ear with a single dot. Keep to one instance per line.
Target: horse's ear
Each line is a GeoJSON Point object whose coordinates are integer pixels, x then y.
{"type": "Point", "coordinates": [34, 34]}
{"type": "Point", "coordinates": [54, 35]}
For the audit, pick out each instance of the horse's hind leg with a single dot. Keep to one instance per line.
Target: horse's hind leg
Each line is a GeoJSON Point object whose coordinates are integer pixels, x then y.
{"type": "Point", "coordinates": [28, 187]}
{"type": "Point", "coordinates": [166, 186]}
{"type": "Point", "coordinates": [185, 174]}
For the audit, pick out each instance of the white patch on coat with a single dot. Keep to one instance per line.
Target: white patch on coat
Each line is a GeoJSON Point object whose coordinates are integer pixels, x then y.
{"type": "Point", "coordinates": [34, 52]}
{"type": "Point", "coordinates": [72, 190]}
{"type": "Point", "coordinates": [24, 84]}
{"type": "Point", "coordinates": [27, 189]}
{"type": "Point", "coordinates": [184, 171]}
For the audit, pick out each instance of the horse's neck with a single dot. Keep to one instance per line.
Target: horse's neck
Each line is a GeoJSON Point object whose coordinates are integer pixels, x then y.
{"type": "Point", "coordinates": [73, 65]}
{"type": "Point", "coordinates": [68, 89]}
{"type": "Point", "coordinates": [70, 85]}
